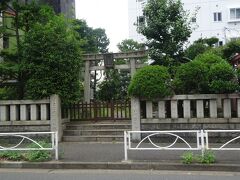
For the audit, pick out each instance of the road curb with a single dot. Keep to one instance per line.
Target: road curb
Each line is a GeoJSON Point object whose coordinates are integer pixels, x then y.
{"type": "Point", "coordinates": [121, 166]}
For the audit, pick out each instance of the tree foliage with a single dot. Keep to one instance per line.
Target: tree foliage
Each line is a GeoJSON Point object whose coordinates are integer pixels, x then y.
{"type": "Point", "coordinates": [194, 50]}
{"type": "Point", "coordinates": [151, 82]}
{"type": "Point", "coordinates": [114, 86]}
{"type": "Point", "coordinates": [93, 40]}
{"type": "Point", "coordinates": [167, 28]}
{"type": "Point", "coordinates": [223, 79]}
{"type": "Point", "coordinates": [191, 78]}
{"type": "Point", "coordinates": [128, 45]}
{"type": "Point", "coordinates": [201, 46]}
{"type": "Point", "coordinates": [46, 59]}
{"type": "Point", "coordinates": [207, 73]}
{"type": "Point", "coordinates": [231, 48]}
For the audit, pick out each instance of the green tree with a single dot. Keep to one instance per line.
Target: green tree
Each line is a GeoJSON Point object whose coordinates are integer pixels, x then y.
{"type": "Point", "coordinates": [45, 54]}
{"type": "Point", "coordinates": [167, 28]}
{"type": "Point", "coordinates": [231, 48]}
{"type": "Point", "coordinates": [92, 40]}
{"type": "Point", "coordinates": [128, 45]}
{"type": "Point", "coordinates": [115, 84]}
{"type": "Point", "coordinates": [18, 17]}
{"type": "Point", "coordinates": [52, 59]}
{"type": "Point", "coordinates": [194, 50]}
{"type": "Point", "coordinates": [101, 40]}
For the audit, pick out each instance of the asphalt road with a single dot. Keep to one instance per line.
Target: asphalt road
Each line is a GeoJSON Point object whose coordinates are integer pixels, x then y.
{"type": "Point", "coordinates": [11, 174]}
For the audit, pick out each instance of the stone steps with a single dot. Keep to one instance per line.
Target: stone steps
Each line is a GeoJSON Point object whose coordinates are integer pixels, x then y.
{"type": "Point", "coordinates": [93, 138]}
{"type": "Point", "coordinates": [101, 131]}
{"type": "Point", "coordinates": [97, 126]}
{"type": "Point", "coordinates": [94, 132]}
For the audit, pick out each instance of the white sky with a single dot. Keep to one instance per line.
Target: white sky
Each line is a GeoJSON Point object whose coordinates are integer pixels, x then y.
{"type": "Point", "coordinates": [112, 15]}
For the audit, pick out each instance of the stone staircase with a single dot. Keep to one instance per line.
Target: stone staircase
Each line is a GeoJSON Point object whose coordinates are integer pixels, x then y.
{"type": "Point", "coordinates": [101, 131]}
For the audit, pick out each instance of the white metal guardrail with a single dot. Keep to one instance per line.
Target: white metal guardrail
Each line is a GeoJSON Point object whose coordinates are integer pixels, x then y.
{"type": "Point", "coordinates": [22, 140]}
{"type": "Point", "coordinates": [225, 146]}
{"type": "Point", "coordinates": [191, 140]}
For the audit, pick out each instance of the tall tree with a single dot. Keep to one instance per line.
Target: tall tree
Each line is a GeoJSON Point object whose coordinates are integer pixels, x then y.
{"type": "Point", "coordinates": [51, 58]}
{"type": "Point", "coordinates": [101, 40]}
{"type": "Point", "coordinates": [128, 45]}
{"type": "Point", "coordinates": [167, 28]}
{"type": "Point", "coordinates": [43, 53]}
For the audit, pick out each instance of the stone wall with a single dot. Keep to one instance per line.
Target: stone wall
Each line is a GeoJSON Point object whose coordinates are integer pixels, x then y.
{"type": "Point", "coordinates": [187, 112]}
{"type": "Point", "coordinates": [32, 116]}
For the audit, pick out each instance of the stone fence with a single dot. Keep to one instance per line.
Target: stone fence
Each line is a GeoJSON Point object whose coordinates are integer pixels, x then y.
{"type": "Point", "coordinates": [203, 111]}
{"type": "Point", "coordinates": [31, 115]}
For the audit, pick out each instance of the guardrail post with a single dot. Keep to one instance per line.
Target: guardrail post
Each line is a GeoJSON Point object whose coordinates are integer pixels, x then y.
{"type": "Point", "coordinates": [56, 146]}
{"type": "Point", "coordinates": [202, 142]}
{"type": "Point", "coordinates": [125, 146]}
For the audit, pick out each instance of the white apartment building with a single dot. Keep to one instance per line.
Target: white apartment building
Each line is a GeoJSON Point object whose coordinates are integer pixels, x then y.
{"type": "Point", "coordinates": [214, 18]}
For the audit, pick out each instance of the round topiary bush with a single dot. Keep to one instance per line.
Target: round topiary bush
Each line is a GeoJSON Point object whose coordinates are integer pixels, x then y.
{"type": "Point", "coordinates": [223, 78]}
{"type": "Point", "coordinates": [209, 58]}
{"type": "Point", "coordinates": [191, 78]}
{"type": "Point", "coordinates": [151, 82]}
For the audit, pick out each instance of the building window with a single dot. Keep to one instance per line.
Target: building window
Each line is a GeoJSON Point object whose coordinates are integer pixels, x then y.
{"type": "Point", "coordinates": [235, 14]}
{"type": "Point", "coordinates": [220, 43]}
{"type": "Point", "coordinates": [194, 19]}
{"type": "Point", "coordinates": [217, 16]}
{"type": "Point", "coordinates": [141, 20]}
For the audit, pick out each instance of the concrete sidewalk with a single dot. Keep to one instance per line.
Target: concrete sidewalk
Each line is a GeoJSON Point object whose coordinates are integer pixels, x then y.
{"type": "Point", "coordinates": [110, 152]}
{"type": "Point", "coordinates": [110, 156]}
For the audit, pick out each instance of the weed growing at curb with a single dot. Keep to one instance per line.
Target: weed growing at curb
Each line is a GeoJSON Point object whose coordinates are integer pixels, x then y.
{"type": "Point", "coordinates": [207, 158]}
{"type": "Point", "coordinates": [32, 156]}
{"type": "Point", "coordinates": [187, 158]}
{"type": "Point", "coordinates": [11, 155]}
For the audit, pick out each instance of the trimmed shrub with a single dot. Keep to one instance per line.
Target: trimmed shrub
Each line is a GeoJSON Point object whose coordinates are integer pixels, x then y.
{"type": "Point", "coordinates": [151, 82]}
{"type": "Point", "coordinates": [209, 59]}
{"type": "Point", "coordinates": [223, 78]}
{"type": "Point", "coordinates": [191, 78]}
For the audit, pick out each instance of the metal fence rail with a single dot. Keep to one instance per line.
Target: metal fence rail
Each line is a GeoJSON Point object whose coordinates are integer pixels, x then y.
{"type": "Point", "coordinates": [192, 140]}
{"type": "Point", "coordinates": [225, 145]}
{"type": "Point", "coordinates": [22, 140]}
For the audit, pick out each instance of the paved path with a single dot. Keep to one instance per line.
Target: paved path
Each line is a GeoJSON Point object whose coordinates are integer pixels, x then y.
{"type": "Point", "coordinates": [97, 152]}
{"type": "Point", "coordinates": [6, 174]}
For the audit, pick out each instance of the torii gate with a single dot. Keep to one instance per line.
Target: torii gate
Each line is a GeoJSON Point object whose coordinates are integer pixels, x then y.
{"type": "Point", "coordinates": [108, 59]}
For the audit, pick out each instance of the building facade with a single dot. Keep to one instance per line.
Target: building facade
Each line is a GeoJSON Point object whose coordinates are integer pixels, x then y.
{"type": "Point", "coordinates": [66, 7]}
{"type": "Point", "coordinates": [210, 18]}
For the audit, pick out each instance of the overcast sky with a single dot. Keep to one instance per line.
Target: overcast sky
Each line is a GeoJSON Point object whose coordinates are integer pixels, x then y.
{"type": "Point", "coordinates": [112, 15]}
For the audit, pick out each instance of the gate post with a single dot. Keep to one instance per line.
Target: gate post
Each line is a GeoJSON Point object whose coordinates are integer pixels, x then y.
{"type": "Point", "coordinates": [87, 82]}
{"type": "Point", "coordinates": [55, 116]}
{"type": "Point", "coordinates": [136, 117]}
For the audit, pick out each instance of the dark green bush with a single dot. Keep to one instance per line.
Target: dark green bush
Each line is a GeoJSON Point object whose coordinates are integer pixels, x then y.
{"type": "Point", "coordinates": [191, 78]}
{"type": "Point", "coordinates": [195, 49]}
{"type": "Point", "coordinates": [223, 78]}
{"type": "Point", "coordinates": [151, 82]}
{"type": "Point", "coordinates": [207, 73]}
{"type": "Point", "coordinates": [209, 59]}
